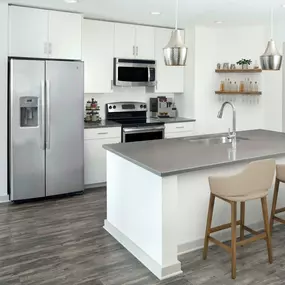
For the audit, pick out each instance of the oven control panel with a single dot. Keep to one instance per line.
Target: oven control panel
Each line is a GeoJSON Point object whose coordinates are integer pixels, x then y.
{"type": "Point", "coordinates": [126, 107]}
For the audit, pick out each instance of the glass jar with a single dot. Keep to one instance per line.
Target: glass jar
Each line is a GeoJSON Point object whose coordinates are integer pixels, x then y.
{"type": "Point", "coordinates": [241, 87]}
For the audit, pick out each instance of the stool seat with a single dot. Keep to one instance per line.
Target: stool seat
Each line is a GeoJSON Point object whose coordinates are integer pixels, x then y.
{"type": "Point", "coordinates": [250, 184]}
{"type": "Point", "coordinates": [244, 198]}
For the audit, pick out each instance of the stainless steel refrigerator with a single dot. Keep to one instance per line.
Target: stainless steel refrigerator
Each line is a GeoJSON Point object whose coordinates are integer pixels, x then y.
{"type": "Point", "coordinates": [46, 128]}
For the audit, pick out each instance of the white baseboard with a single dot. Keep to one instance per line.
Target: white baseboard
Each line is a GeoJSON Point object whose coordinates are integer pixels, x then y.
{"type": "Point", "coordinates": [4, 199]}
{"type": "Point", "coordinates": [157, 269]}
{"type": "Point", "coordinates": [222, 236]}
{"type": "Point", "coordinates": [98, 185]}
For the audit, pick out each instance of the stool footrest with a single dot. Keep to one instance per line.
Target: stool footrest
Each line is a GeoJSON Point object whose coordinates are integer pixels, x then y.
{"type": "Point", "coordinates": [281, 210]}
{"type": "Point", "coordinates": [251, 230]}
{"type": "Point", "coordinates": [223, 227]}
{"type": "Point", "coordinates": [279, 220]}
{"type": "Point", "coordinates": [252, 239]}
{"type": "Point", "coordinates": [222, 245]}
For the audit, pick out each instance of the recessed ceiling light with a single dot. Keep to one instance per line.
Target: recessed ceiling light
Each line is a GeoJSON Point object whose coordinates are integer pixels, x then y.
{"type": "Point", "coordinates": [283, 5]}
{"type": "Point", "coordinates": [155, 13]}
{"type": "Point", "coordinates": [71, 1]}
{"type": "Point", "coordinates": [218, 22]}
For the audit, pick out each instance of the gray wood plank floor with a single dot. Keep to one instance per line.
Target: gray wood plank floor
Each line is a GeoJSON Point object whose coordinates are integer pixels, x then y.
{"type": "Point", "coordinates": [62, 242]}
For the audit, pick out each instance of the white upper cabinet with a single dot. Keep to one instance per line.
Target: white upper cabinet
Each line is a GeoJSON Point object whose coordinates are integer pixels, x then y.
{"type": "Point", "coordinates": [125, 40]}
{"type": "Point", "coordinates": [44, 34]}
{"type": "Point", "coordinates": [28, 35]}
{"type": "Point", "coordinates": [134, 41]}
{"type": "Point", "coordinates": [169, 79]}
{"type": "Point", "coordinates": [65, 35]}
{"type": "Point", "coordinates": [144, 42]}
{"type": "Point", "coordinates": [98, 53]}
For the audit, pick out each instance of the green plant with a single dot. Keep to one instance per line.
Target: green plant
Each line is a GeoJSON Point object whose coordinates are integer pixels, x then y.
{"type": "Point", "coordinates": [244, 61]}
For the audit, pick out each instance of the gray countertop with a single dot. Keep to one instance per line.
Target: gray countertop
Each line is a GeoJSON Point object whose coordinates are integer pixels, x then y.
{"type": "Point", "coordinates": [171, 120]}
{"type": "Point", "coordinates": [102, 124]}
{"type": "Point", "coordinates": [111, 124]}
{"type": "Point", "coordinates": [176, 156]}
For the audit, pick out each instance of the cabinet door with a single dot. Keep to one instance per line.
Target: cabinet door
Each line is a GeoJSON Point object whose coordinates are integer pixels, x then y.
{"type": "Point", "coordinates": [28, 32]}
{"type": "Point", "coordinates": [65, 35]}
{"type": "Point", "coordinates": [144, 42]}
{"type": "Point", "coordinates": [98, 53]}
{"type": "Point", "coordinates": [169, 79]}
{"type": "Point", "coordinates": [125, 40]}
{"type": "Point", "coordinates": [95, 160]}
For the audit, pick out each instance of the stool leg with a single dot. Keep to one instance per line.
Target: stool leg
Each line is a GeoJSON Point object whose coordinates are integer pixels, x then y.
{"type": "Point", "coordinates": [233, 243]}
{"type": "Point", "coordinates": [208, 227]}
{"type": "Point", "coordinates": [242, 220]}
{"type": "Point", "coordinates": [267, 229]}
{"type": "Point", "coordinates": [274, 203]}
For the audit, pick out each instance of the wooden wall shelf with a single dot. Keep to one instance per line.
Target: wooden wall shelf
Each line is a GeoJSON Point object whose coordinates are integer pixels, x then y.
{"type": "Point", "coordinates": [237, 93]}
{"type": "Point", "coordinates": [238, 70]}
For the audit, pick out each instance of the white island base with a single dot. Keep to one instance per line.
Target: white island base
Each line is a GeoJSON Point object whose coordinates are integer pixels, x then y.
{"type": "Point", "coordinates": [158, 218]}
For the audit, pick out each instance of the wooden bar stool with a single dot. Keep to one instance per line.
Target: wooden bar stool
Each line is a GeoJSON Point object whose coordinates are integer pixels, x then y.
{"type": "Point", "coordinates": [280, 177]}
{"type": "Point", "coordinates": [252, 183]}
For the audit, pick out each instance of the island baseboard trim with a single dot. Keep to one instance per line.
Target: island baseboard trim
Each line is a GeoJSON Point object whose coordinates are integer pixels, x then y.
{"type": "Point", "coordinates": [222, 236]}
{"type": "Point", "coordinates": [159, 271]}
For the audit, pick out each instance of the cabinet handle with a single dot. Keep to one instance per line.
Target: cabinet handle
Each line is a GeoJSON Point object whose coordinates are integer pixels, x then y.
{"type": "Point", "coordinates": [111, 84]}
{"type": "Point", "coordinates": [137, 50]}
{"type": "Point", "coordinates": [156, 85]}
{"type": "Point", "coordinates": [134, 50]}
{"type": "Point", "coordinates": [180, 127]}
{"type": "Point", "coordinates": [106, 133]}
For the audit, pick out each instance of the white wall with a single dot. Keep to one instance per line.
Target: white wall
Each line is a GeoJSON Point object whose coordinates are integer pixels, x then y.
{"type": "Point", "coordinates": [136, 94]}
{"type": "Point", "coordinates": [3, 99]}
{"type": "Point", "coordinates": [218, 45]}
{"type": "Point", "coordinates": [275, 106]}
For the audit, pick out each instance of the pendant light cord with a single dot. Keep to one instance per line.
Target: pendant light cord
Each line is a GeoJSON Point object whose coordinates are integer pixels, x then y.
{"type": "Point", "coordinates": [176, 22]}
{"type": "Point", "coordinates": [271, 23]}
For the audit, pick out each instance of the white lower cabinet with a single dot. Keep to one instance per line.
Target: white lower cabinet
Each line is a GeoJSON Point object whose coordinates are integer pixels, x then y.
{"type": "Point", "coordinates": [95, 154]}
{"type": "Point", "coordinates": [179, 130]}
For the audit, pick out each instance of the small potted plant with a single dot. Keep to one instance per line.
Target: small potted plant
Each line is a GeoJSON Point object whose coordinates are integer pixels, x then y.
{"type": "Point", "coordinates": [244, 63]}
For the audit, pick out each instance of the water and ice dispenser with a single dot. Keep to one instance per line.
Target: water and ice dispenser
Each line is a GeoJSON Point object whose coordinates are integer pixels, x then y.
{"type": "Point", "coordinates": [29, 109]}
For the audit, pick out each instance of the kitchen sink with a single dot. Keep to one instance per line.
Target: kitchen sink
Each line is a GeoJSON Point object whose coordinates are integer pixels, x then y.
{"type": "Point", "coordinates": [214, 140]}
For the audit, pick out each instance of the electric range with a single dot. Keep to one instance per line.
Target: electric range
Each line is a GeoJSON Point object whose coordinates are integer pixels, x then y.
{"type": "Point", "coordinates": [133, 118]}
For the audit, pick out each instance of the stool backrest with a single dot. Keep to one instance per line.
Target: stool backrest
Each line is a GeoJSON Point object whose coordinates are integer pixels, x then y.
{"type": "Point", "coordinates": [280, 172]}
{"type": "Point", "coordinates": [256, 177]}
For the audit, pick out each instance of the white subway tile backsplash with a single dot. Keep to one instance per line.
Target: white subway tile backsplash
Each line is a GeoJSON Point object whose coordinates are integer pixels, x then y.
{"type": "Point", "coordinates": [122, 95]}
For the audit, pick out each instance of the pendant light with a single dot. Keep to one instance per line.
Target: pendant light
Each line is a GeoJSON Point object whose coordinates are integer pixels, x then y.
{"type": "Point", "coordinates": [271, 59]}
{"type": "Point", "coordinates": [175, 53]}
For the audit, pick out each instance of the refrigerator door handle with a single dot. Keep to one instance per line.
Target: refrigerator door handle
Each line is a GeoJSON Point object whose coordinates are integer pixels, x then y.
{"type": "Point", "coordinates": [42, 108]}
{"type": "Point", "coordinates": [47, 114]}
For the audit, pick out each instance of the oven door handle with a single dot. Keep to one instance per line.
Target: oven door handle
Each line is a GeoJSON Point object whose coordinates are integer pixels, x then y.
{"type": "Point", "coordinates": [143, 130]}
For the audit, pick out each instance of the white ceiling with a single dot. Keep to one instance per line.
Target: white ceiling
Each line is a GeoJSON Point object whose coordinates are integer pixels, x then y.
{"type": "Point", "coordinates": [190, 11]}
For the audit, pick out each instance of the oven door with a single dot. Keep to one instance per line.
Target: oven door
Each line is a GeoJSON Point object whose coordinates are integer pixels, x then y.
{"type": "Point", "coordinates": [132, 73]}
{"type": "Point", "coordinates": [136, 134]}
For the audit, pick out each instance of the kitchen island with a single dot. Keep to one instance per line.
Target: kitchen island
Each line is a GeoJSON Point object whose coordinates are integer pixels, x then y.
{"type": "Point", "coordinates": [158, 193]}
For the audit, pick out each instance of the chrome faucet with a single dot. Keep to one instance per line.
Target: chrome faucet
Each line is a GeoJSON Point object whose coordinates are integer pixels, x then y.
{"type": "Point", "coordinates": [220, 115]}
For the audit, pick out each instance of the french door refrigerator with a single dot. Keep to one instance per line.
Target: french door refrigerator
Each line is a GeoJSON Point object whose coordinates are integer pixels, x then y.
{"type": "Point", "coordinates": [46, 128]}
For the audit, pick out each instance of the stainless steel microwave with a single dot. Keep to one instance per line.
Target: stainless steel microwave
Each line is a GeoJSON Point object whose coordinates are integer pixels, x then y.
{"type": "Point", "coordinates": [134, 72]}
